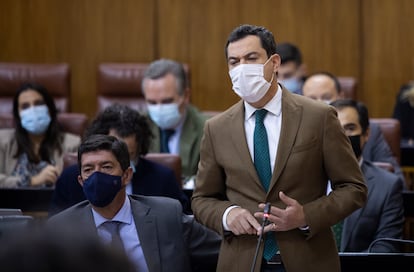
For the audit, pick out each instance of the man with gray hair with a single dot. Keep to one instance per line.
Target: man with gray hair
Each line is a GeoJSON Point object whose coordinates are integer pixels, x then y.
{"type": "Point", "coordinates": [177, 125]}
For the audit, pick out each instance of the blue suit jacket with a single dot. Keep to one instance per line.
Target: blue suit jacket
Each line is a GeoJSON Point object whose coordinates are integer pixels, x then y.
{"type": "Point", "coordinates": [150, 178]}
{"type": "Point", "coordinates": [381, 217]}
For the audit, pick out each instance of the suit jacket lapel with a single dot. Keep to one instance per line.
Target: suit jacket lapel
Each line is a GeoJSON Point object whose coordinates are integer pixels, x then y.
{"type": "Point", "coordinates": [291, 118]}
{"type": "Point", "coordinates": [238, 137]}
{"type": "Point", "coordinates": [147, 232]}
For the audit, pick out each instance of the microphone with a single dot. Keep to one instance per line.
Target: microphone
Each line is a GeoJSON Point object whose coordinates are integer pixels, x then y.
{"type": "Point", "coordinates": [403, 241]}
{"type": "Point", "coordinates": [265, 221]}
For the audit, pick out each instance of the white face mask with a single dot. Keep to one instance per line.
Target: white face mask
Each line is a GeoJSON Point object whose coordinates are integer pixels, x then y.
{"type": "Point", "coordinates": [249, 82]}
{"type": "Point", "coordinates": [165, 115]}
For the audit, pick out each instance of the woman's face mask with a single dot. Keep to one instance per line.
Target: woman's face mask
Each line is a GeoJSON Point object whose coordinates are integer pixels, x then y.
{"type": "Point", "coordinates": [35, 119]}
{"type": "Point", "coordinates": [249, 82]}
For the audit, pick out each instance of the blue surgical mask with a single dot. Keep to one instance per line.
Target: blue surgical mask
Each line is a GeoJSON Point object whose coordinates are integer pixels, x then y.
{"type": "Point", "coordinates": [35, 119]}
{"type": "Point", "coordinates": [100, 188]}
{"type": "Point", "coordinates": [292, 84]}
{"type": "Point", "coordinates": [165, 115]}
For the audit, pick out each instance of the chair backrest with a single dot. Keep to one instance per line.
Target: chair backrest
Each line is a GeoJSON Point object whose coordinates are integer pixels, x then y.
{"type": "Point", "coordinates": [121, 83]}
{"type": "Point", "coordinates": [75, 123]}
{"type": "Point", "coordinates": [169, 160]}
{"type": "Point", "coordinates": [390, 128]}
{"type": "Point", "coordinates": [70, 159]}
{"type": "Point", "coordinates": [348, 87]}
{"type": "Point", "coordinates": [54, 77]}
{"type": "Point", "coordinates": [10, 224]}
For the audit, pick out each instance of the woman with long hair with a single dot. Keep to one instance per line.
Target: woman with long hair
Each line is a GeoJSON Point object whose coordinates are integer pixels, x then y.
{"type": "Point", "coordinates": [31, 153]}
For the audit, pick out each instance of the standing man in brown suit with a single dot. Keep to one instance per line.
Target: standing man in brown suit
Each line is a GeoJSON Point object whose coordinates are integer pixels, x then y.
{"type": "Point", "coordinates": [305, 147]}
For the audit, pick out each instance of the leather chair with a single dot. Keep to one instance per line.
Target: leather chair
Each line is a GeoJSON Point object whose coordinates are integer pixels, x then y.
{"type": "Point", "coordinates": [74, 123]}
{"type": "Point", "coordinates": [171, 161]}
{"type": "Point", "coordinates": [348, 87]}
{"type": "Point", "coordinates": [390, 127]}
{"type": "Point", "coordinates": [121, 83]}
{"type": "Point", "coordinates": [54, 77]}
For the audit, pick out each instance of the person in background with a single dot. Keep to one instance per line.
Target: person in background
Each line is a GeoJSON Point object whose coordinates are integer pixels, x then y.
{"type": "Point", "coordinates": [292, 71]}
{"type": "Point", "coordinates": [149, 178]}
{"type": "Point", "coordinates": [325, 87]}
{"type": "Point", "coordinates": [273, 146]}
{"type": "Point", "coordinates": [177, 125]}
{"type": "Point", "coordinates": [383, 214]}
{"type": "Point", "coordinates": [31, 153]}
{"type": "Point", "coordinates": [152, 231]}
{"type": "Point", "coordinates": [404, 111]}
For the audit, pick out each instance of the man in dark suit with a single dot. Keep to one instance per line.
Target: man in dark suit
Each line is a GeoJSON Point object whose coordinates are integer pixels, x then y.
{"type": "Point", "coordinates": [383, 214]}
{"type": "Point", "coordinates": [149, 178]}
{"type": "Point", "coordinates": [305, 147]}
{"type": "Point", "coordinates": [152, 231]}
{"type": "Point", "coordinates": [325, 87]}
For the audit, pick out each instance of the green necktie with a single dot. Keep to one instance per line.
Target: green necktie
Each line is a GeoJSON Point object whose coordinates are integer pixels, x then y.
{"type": "Point", "coordinates": [337, 229]}
{"type": "Point", "coordinates": [264, 171]}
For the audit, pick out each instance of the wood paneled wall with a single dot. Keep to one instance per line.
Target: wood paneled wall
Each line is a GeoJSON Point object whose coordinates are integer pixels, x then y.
{"type": "Point", "coordinates": [368, 39]}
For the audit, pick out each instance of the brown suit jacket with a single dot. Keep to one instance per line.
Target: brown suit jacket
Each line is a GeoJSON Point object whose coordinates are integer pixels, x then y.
{"type": "Point", "coordinates": [312, 150]}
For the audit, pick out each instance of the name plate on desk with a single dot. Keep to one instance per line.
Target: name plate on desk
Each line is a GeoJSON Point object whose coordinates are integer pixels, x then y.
{"type": "Point", "coordinates": [26, 199]}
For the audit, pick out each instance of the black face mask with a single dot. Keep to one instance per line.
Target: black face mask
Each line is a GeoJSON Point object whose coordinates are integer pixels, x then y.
{"type": "Point", "coordinates": [356, 144]}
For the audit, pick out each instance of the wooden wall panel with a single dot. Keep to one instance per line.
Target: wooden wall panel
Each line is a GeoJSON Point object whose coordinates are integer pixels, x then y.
{"type": "Point", "coordinates": [368, 39]}
{"type": "Point", "coordinates": [323, 29]}
{"type": "Point", "coordinates": [82, 33]}
{"type": "Point", "coordinates": [388, 55]}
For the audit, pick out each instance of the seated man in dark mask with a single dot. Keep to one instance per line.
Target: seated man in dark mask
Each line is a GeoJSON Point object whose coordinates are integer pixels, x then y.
{"type": "Point", "coordinates": [383, 214]}
{"type": "Point", "coordinates": [149, 178]}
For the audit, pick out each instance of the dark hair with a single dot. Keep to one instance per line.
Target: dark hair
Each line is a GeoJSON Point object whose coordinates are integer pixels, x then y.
{"type": "Point", "coordinates": [266, 37]}
{"type": "Point", "coordinates": [289, 52]}
{"type": "Point", "coordinates": [53, 137]}
{"type": "Point", "coordinates": [331, 76]}
{"type": "Point", "coordinates": [359, 107]}
{"type": "Point", "coordinates": [162, 67]}
{"type": "Point", "coordinates": [97, 142]}
{"type": "Point", "coordinates": [126, 122]}
{"type": "Point", "coordinates": [63, 249]}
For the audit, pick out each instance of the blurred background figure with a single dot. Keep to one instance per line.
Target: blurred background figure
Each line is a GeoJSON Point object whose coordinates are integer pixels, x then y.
{"type": "Point", "coordinates": [292, 71]}
{"type": "Point", "coordinates": [176, 124]}
{"type": "Point", "coordinates": [31, 153]}
{"type": "Point", "coordinates": [59, 250]}
{"type": "Point", "coordinates": [404, 111]}
{"type": "Point", "coordinates": [149, 178]}
{"type": "Point", "coordinates": [325, 87]}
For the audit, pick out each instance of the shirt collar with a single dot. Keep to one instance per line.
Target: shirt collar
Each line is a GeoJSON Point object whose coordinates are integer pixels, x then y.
{"type": "Point", "coordinates": [274, 106]}
{"type": "Point", "coordinates": [124, 215]}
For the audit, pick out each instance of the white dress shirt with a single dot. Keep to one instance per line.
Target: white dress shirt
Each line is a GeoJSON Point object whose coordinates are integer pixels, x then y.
{"type": "Point", "coordinates": [273, 124]}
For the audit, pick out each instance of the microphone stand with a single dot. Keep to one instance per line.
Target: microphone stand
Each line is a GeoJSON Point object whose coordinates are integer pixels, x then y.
{"type": "Point", "coordinates": [265, 221]}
